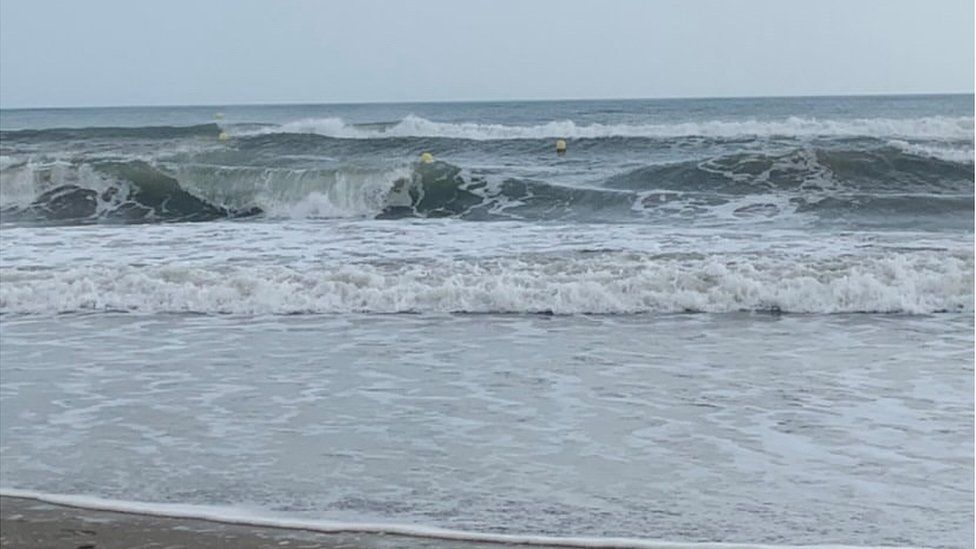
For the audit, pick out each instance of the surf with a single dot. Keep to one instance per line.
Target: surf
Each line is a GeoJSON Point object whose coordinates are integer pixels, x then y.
{"type": "Point", "coordinates": [574, 283]}
{"type": "Point", "coordinates": [853, 185]}
{"type": "Point", "coordinates": [935, 127]}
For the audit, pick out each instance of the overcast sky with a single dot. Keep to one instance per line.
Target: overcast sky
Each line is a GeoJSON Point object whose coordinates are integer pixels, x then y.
{"type": "Point", "coordinates": [168, 52]}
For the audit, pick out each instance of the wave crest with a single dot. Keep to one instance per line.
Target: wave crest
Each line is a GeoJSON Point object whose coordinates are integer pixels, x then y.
{"type": "Point", "coordinates": [856, 186]}
{"type": "Point", "coordinates": [137, 191]}
{"type": "Point", "coordinates": [931, 127]}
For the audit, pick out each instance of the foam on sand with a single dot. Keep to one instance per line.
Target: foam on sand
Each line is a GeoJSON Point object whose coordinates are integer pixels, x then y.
{"type": "Point", "coordinates": [231, 515]}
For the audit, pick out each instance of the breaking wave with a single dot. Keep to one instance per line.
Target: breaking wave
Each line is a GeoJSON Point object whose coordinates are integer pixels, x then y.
{"type": "Point", "coordinates": [130, 191]}
{"type": "Point", "coordinates": [932, 127]}
{"type": "Point", "coordinates": [863, 185]}
{"type": "Point", "coordinates": [917, 282]}
{"type": "Point", "coordinates": [109, 132]}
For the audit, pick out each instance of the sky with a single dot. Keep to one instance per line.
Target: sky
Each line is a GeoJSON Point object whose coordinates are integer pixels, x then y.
{"type": "Point", "coordinates": [213, 52]}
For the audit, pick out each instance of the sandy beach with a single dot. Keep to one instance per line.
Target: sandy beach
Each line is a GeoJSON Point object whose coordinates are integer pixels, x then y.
{"type": "Point", "coordinates": [26, 523]}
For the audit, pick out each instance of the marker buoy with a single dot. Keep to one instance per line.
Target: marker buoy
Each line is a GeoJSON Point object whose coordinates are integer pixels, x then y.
{"type": "Point", "coordinates": [426, 158]}
{"type": "Point", "coordinates": [224, 136]}
{"type": "Point", "coordinates": [560, 146]}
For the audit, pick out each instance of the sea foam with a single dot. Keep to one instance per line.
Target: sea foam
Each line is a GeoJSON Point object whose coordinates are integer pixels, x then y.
{"type": "Point", "coordinates": [930, 127]}
{"type": "Point", "coordinates": [601, 283]}
{"type": "Point", "coordinates": [231, 515]}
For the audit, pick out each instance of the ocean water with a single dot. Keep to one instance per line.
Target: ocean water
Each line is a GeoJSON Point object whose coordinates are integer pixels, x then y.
{"type": "Point", "coordinates": [737, 320]}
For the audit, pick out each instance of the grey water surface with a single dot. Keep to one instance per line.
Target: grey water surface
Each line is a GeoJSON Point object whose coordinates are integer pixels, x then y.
{"type": "Point", "coordinates": [741, 320]}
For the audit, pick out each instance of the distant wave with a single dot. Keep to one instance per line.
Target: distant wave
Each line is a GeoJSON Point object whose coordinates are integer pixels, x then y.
{"type": "Point", "coordinates": [931, 127]}
{"type": "Point", "coordinates": [916, 282]}
{"type": "Point", "coordinates": [872, 170]}
{"type": "Point", "coordinates": [959, 154]}
{"type": "Point", "coordinates": [108, 132]}
{"type": "Point", "coordinates": [230, 515]}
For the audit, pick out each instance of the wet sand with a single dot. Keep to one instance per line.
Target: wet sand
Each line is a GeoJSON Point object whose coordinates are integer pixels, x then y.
{"type": "Point", "coordinates": [31, 524]}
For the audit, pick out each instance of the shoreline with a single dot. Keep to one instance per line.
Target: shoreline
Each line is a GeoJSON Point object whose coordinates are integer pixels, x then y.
{"type": "Point", "coordinates": [32, 523]}
{"type": "Point", "coordinates": [35, 522]}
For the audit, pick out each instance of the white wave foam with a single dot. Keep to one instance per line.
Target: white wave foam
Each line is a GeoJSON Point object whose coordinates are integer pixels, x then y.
{"type": "Point", "coordinates": [22, 181]}
{"type": "Point", "coordinates": [231, 515]}
{"type": "Point", "coordinates": [950, 154]}
{"type": "Point", "coordinates": [610, 283]}
{"type": "Point", "coordinates": [932, 127]}
{"type": "Point", "coordinates": [279, 192]}
{"type": "Point", "coordinates": [293, 193]}
{"type": "Point", "coordinates": [6, 161]}
{"type": "Point", "coordinates": [18, 183]}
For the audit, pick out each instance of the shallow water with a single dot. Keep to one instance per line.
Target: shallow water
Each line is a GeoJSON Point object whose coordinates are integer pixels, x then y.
{"type": "Point", "coordinates": [752, 428]}
{"type": "Point", "coordinates": [385, 266]}
{"type": "Point", "coordinates": [710, 320]}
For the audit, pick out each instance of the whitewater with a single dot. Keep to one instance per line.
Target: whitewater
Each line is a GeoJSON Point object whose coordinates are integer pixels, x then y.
{"type": "Point", "coordinates": [938, 127]}
{"type": "Point", "coordinates": [710, 323]}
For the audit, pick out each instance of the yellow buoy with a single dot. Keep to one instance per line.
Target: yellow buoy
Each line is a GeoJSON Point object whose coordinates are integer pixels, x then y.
{"type": "Point", "coordinates": [224, 136]}
{"type": "Point", "coordinates": [426, 158]}
{"type": "Point", "coordinates": [560, 146]}
{"type": "Point", "coordinates": [218, 115]}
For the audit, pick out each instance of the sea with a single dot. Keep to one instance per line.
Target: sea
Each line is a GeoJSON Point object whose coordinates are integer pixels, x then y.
{"type": "Point", "coordinates": [734, 321]}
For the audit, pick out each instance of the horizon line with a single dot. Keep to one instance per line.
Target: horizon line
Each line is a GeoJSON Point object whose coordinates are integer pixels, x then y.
{"type": "Point", "coordinates": [470, 101]}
